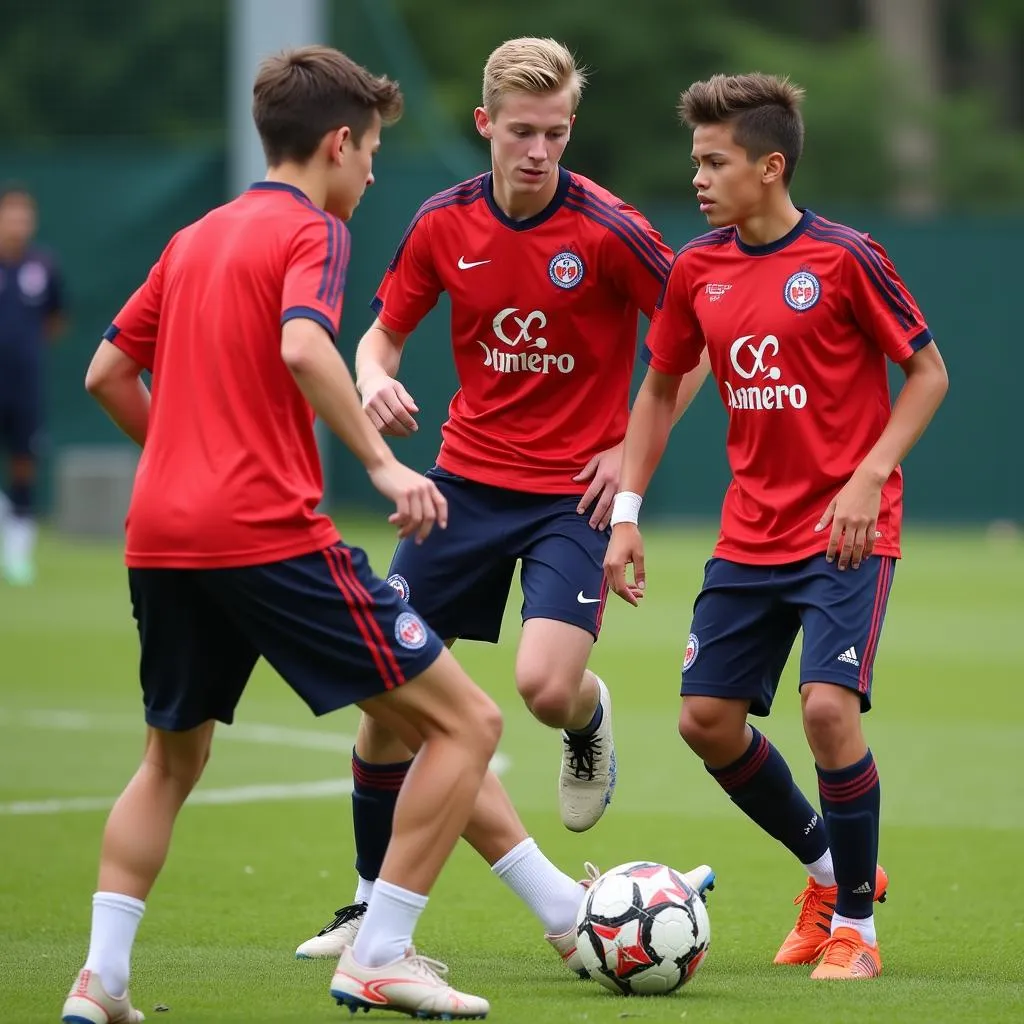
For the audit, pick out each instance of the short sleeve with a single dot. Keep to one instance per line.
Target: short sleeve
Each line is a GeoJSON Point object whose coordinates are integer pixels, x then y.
{"type": "Point", "coordinates": [675, 341]}
{"type": "Point", "coordinates": [637, 258]}
{"type": "Point", "coordinates": [411, 287]}
{"type": "Point", "coordinates": [134, 330]}
{"type": "Point", "coordinates": [882, 305]}
{"type": "Point", "coordinates": [314, 277]}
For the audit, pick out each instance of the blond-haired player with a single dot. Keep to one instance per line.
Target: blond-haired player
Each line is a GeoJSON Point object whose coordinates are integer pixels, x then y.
{"type": "Point", "coordinates": [547, 274]}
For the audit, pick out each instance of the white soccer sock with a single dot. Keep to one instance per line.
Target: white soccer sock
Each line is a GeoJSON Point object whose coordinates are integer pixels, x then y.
{"type": "Point", "coordinates": [386, 931]}
{"type": "Point", "coordinates": [822, 870]}
{"type": "Point", "coordinates": [551, 894]}
{"type": "Point", "coordinates": [364, 890]}
{"type": "Point", "coordinates": [19, 539]}
{"type": "Point", "coordinates": [864, 925]}
{"type": "Point", "coordinates": [115, 920]}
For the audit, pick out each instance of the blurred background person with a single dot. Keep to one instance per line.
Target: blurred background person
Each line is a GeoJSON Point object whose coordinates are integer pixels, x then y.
{"type": "Point", "coordinates": [31, 314]}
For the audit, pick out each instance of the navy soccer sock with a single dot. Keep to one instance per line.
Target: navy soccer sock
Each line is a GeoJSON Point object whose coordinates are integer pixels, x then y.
{"type": "Point", "coordinates": [22, 497]}
{"type": "Point", "coordinates": [374, 794]}
{"type": "Point", "coordinates": [761, 785]}
{"type": "Point", "coordinates": [850, 801]}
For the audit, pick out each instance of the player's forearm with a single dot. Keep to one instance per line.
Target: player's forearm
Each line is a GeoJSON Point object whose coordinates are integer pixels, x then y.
{"type": "Point", "coordinates": [690, 385]}
{"type": "Point", "coordinates": [324, 379]}
{"type": "Point", "coordinates": [126, 401]}
{"type": "Point", "coordinates": [913, 410]}
{"type": "Point", "coordinates": [650, 423]}
{"type": "Point", "coordinates": [378, 354]}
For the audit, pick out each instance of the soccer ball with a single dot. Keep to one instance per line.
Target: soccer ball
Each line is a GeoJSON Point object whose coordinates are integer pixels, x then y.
{"type": "Point", "coordinates": [642, 929]}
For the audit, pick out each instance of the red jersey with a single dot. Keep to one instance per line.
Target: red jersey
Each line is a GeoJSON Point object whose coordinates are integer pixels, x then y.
{"type": "Point", "coordinates": [797, 333]}
{"type": "Point", "coordinates": [544, 316]}
{"type": "Point", "coordinates": [230, 473]}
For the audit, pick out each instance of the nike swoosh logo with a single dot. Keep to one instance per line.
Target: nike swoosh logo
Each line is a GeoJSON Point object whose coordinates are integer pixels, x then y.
{"type": "Point", "coordinates": [586, 600]}
{"type": "Point", "coordinates": [463, 265]}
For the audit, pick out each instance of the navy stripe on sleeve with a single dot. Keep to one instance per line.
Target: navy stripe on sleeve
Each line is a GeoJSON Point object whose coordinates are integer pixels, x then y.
{"type": "Point", "coordinates": [464, 194]}
{"type": "Point", "coordinates": [578, 194]}
{"type": "Point", "coordinates": [871, 264]}
{"type": "Point", "coordinates": [308, 313]}
{"type": "Point", "coordinates": [111, 332]}
{"type": "Point", "coordinates": [626, 230]}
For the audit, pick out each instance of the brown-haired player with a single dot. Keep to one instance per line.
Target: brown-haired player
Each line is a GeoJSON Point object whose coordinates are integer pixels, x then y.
{"type": "Point", "coordinates": [228, 558]}
{"type": "Point", "coordinates": [798, 315]}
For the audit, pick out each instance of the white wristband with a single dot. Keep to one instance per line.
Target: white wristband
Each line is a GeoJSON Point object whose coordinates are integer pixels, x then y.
{"type": "Point", "coordinates": [626, 507]}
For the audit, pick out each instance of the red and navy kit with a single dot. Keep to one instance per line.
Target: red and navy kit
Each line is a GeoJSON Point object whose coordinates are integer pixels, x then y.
{"type": "Point", "coordinates": [31, 293]}
{"type": "Point", "coordinates": [798, 334]}
{"type": "Point", "coordinates": [544, 318]}
{"type": "Point", "coordinates": [228, 557]}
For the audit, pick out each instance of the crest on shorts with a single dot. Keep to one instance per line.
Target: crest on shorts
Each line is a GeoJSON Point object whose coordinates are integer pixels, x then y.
{"type": "Point", "coordinates": [399, 584]}
{"type": "Point", "coordinates": [565, 269]}
{"type": "Point", "coordinates": [410, 631]}
{"type": "Point", "coordinates": [692, 648]}
{"type": "Point", "coordinates": [803, 290]}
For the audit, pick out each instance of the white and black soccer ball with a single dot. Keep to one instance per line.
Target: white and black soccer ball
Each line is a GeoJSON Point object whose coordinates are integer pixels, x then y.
{"type": "Point", "coordinates": [642, 929]}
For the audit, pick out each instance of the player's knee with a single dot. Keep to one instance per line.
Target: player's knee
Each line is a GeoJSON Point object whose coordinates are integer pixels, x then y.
{"type": "Point", "coordinates": [181, 762]}
{"type": "Point", "coordinates": [828, 713]}
{"type": "Point", "coordinates": [705, 729]}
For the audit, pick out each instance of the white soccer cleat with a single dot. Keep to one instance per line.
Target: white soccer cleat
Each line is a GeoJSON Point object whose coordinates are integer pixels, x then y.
{"type": "Point", "coordinates": [88, 1002]}
{"type": "Point", "coordinates": [414, 985]}
{"type": "Point", "coordinates": [334, 938]}
{"type": "Point", "coordinates": [587, 779]}
{"type": "Point", "coordinates": [565, 943]}
{"type": "Point", "coordinates": [702, 879]}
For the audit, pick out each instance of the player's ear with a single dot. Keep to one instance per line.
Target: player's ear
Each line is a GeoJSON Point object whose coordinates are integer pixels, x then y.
{"type": "Point", "coordinates": [483, 122]}
{"type": "Point", "coordinates": [337, 144]}
{"type": "Point", "coordinates": [774, 168]}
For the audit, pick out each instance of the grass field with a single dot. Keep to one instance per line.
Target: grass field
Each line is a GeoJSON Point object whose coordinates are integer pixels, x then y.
{"type": "Point", "coordinates": [261, 865]}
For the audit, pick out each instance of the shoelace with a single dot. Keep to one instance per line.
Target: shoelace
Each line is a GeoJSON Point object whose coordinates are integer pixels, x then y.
{"type": "Point", "coordinates": [342, 916]}
{"type": "Point", "coordinates": [839, 950]}
{"type": "Point", "coordinates": [812, 899]}
{"type": "Point", "coordinates": [583, 752]}
{"type": "Point", "coordinates": [593, 874]}
{"type": "Point", "coordinates": [434, 970]}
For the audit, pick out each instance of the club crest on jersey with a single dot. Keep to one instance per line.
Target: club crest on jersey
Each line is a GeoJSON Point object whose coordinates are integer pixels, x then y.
{"type": "Point", "coordinates": [566, 269]}
{"type": "Point", "coordinates": [410, 631]}
{"type": "Point", "coordinates": [399, 584]}
{"type": "Point", "coordinates": [692, 647]}
{"type": "Point", "coordinates": [802, 291]}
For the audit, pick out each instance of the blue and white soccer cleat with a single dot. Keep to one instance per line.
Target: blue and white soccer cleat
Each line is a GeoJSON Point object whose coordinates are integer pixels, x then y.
{"type": "Point", "coordinates": [88, 1002]}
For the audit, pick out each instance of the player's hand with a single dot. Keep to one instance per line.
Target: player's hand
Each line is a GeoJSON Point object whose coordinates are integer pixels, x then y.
{"type": "Point", "coordinates": [390, 407]}
{"type": "Point", "coordinates": [625, 548]}
{"type": "Point", "coordinates": [603, 473]}
{"type": "Point", "coordinates": [853, 513]}
{"type": "Point", "coordinates": [418, 502]}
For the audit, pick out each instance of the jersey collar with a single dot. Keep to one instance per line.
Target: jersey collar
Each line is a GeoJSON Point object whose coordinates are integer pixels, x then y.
{"type": "Point", "coordinates": [780, 243]}
{"type": "Point", "coordinates": [564, 178]}
{"type": "Point", "coordinates": [278, 186]}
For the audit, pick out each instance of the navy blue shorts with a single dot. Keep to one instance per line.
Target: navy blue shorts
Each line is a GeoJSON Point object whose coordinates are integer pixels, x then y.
{"type": "Point", "coordinates": [332, 630]}
{"type": "Point", "coordinates": [458, 579]}
{"type": "Point", "coordinates": [746, 618]}
{"type": "Point", "coordinates": [20, 422]}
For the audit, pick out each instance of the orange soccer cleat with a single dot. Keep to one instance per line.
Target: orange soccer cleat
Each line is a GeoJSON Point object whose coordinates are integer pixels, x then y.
{"type": "Point", "coordinates": [847, 957]}
{"type": "Point", "coordinates": [803, 945]}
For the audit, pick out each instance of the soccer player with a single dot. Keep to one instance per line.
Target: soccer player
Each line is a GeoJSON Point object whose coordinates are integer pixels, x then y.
{"type": "Point", "coordinates": [799, 315]}
{"type": "Point", "coordinates": [547, 274]}
{"type": "Point", "coordinates": [228, 558]}
{"type": "Point", "coordinates": [31, 314]}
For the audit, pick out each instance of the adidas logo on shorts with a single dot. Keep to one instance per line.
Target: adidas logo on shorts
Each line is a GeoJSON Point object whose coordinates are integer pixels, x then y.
{"type": "Point", "coordinates": [849, 656]}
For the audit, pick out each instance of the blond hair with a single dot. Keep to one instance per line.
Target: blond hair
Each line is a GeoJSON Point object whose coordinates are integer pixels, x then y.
{"type": "Point", "coordinates": [531, 65]}
{"type": "Point", "coordinates": [763, 110]}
